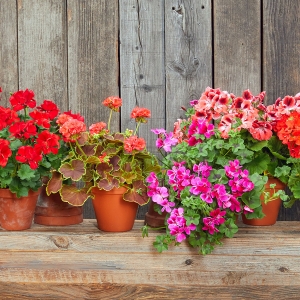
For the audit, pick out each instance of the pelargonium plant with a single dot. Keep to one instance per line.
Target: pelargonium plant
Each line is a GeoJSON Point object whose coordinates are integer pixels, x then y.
{"type": "Point", "coordinates": [29, 145]}
{"type": "Point", "coordinates": [216, 163]}
{"type": "Point", "coordinates": [99, 158]}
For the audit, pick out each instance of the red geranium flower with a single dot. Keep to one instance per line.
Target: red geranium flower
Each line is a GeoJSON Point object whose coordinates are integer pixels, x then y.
{"type": "Point", "coordinates": [22, 99]}
{"type": "Point", "coordinates": [5, 152]}
{"type": "Point", "coordinates": [7, 117]}
{"type": "Point", "coordinates": [30, 155]}
{"type": "Point", "coordinates": [47, 142]}
{"type": "Point", "coordinates": [50, 108]}
{"type": "Point", "coordinates": [113, 103]}
{"type": "Point", "coordinates": [23, 129]}
{"type": "Point", "coordinates": [40, 118]}
{"type": "Point", "coordinates": [134, 143]}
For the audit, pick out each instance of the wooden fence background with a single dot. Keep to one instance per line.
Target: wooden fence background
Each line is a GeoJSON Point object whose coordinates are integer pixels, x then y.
{"type": "Point", "coordinates": [154, 53]}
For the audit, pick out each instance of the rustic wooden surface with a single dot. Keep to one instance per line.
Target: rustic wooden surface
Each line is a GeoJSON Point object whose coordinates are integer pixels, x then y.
{"type": "Point", "coordinates": [237, 45]}
{"type": "Point", "coordinates": [154, 53]}
{"type": "Point", "coordinates": [81, 262]}
{"type": "Point", "coordinates": [281, 60]}
{"type": "Point", "coordinates": [188, 59]}
{"type": "Point", "coordinates": [42, 50]}
{"type": "Point", "coordinates": [9, 77]}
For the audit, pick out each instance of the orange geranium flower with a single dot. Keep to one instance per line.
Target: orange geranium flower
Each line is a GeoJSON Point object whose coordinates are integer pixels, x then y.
{"type": "Point", "coordinates": [113, 103]}
{"type": "Point", "coordinates": [134, 143]}
{"type": "Point", "coordinates": [71, 130]}
{"type": "Point", "coordinates": [140, 114]}
{"type": "Point", "coordinates": [97, 127]}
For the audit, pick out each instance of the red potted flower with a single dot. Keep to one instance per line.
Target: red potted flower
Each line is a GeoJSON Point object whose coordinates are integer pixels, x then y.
{"type": "Point", "coordinates": [28, 150]}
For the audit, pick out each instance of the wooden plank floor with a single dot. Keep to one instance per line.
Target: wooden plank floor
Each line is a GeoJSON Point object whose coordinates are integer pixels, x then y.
{"type": "Point", "coordinates": [81, 262]}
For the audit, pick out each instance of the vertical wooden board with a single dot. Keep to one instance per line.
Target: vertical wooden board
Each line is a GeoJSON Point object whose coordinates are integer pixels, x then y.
{"type": "Point", "coordinates": [42, 49]}
{"type": "Point", "coordinates": [8, 49]}
{"type": "Point", "coordinates": [281, 44]}
{"type": "Point", "coordinates": [142, 67]}
{"type": "Point", "coordinates": [281, 60]}
{"type": "Point", "coordinates": [237, 45]}
{"type": "Point", "coordinates": [188, 44]}
{"type": "Point", "coordinates": [142, 64]}
{"type": "Point", "coordinates": [93, 67]}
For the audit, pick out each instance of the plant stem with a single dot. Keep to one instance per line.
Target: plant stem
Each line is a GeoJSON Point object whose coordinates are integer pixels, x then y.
{"type": "Point", "coordinates": [108, 124]}
{"type": "Point", "coordinates": [137, 127]}
{"type": "Point", "coordinates": [78, 146]}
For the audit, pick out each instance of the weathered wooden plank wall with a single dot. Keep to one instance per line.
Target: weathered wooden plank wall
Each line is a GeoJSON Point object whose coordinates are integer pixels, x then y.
{"type": "Point", "coordinates": [158, 54]}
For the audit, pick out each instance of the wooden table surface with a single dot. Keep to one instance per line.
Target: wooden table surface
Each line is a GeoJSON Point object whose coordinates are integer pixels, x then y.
{"type": "Point", "coordinates": [82, 262]}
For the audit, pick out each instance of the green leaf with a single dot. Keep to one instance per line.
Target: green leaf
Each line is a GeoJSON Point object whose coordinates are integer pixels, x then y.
{"type": "Point", "coordinates": [257, 146]}
{"type": "Point", "coordinates": [15, 144]}
{"type": "Point", "coordinates": [258, 164]}
{"type": "Point", "coordinates": [160, 243]}
{"type": "Point", "coordinates": [25, 172]}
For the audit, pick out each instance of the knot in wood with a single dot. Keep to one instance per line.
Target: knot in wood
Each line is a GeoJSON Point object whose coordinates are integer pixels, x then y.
{"type": "Point", "coordinates": [283, 269]}
{"type": "Point", "coordinates": [188, 262]}
{"type": "Point", "coordinates": [60, 241]}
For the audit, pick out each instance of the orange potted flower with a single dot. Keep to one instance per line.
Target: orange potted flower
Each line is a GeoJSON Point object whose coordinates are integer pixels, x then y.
{"type": "Point", "coordinates": [111, 168]}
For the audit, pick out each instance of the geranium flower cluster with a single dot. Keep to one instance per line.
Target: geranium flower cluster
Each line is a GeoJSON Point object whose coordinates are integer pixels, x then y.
{"type": "Point", "coordinates": [234, 113]}
{"type": "Point", "coordinates": [285, 115]}
{"type": "Point", "coordinates": [30, 144]}
{"type": "Point", "coordinates": [218, 197]}
{"type": "Point", "coordinates": [29, 131]}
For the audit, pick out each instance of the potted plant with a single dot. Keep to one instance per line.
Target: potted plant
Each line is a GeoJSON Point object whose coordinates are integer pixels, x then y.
{"type": "Point", "coordinates": [50, 209]}
{"type": "Point", "coordinates": [28, 149]}
{"type": "Point", "coordinates": [216, 164]}
{"type": "Point", "coordinates": [105, 165]}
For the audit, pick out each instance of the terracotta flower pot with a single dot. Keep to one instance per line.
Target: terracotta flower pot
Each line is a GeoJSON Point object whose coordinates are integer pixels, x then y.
{"type": "Point", "coordinates": [52, 211]}
{"type": "Point", "coordinates": [17, 213]}
{"type": "Point", "coordinates": [113, 213]}
{"type": "Point", "coordinates": [270, 209]}
{"type": "Point", "coordinates": [153, 218]}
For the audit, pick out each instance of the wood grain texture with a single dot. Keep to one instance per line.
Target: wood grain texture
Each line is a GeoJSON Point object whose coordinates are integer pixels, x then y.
{"type": "Point", "coordinates": [142, 67]}
{"type": "Point", "coordinates": [237, 45]}
{"type": "Point", "coordinates": [281, 60]}
{"type": "Point", "coordinates": [188, 41]}
{"type": "Point", "coordinates": [281, 42]}
{"type": "Point", "coordinates": [93, 64]}
{"type": "Point", "coordinates": [9, 77]}
{"type": "Point", "coordinates": [81, 261]}
{"type": "Point", "coordinates": [42, 49]}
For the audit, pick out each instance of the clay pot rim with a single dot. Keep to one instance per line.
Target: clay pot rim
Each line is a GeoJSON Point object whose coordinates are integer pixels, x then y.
{"type": "Point", "coordinates": [6, 193]}
{"type": "Point", "coordinates": [114, 191]}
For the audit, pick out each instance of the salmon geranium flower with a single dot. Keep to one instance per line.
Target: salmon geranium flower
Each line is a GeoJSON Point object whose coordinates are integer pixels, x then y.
{"type": "Point", "coordinates": [113, 103]}
{"type": "Point", "coordinates": [97, 128]}
{"type": "Point", "coordinates": [140, 114]}
{"type": "Point", "coordinates": [134, 143]}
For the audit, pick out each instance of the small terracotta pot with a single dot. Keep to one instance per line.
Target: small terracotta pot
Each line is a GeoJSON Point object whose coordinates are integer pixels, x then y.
{"type": "Point", "coordinates": [153, 218]}
{"type": "Point", "coordinates": [270, 209]}
{"type": "Point", "coordinates": [52, 211]}
{"type": "Point", "coordinates": [113, 213]}
{"type": "Point", "coordinates": [17, 213]}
